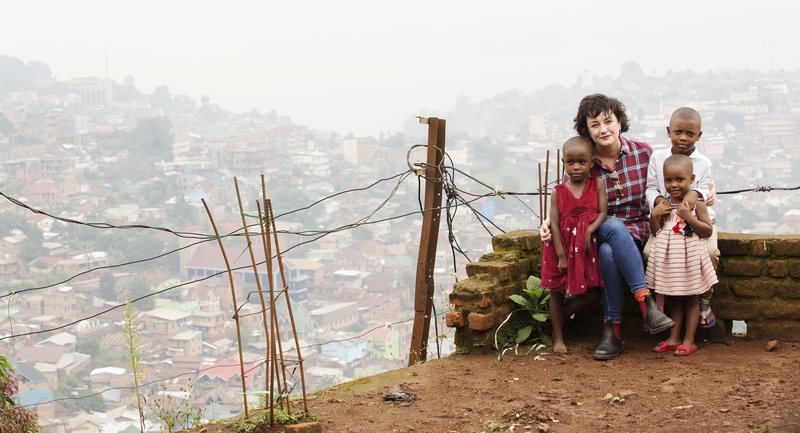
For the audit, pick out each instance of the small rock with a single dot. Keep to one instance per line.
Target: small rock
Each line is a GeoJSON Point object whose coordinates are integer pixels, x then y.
{"type": "Point", "coordinates": [772, 345]}
{"type": "Point", "coordinates": [628, 393]}
{"type": "Point", "coordinates": [724, 410]}
{"type": "Point", "coordinates": [543, 427]}
{"type": "Point", "coordinates": [415, 374]}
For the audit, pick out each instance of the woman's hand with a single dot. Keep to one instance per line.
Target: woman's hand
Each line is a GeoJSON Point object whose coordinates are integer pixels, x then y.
{"type": "Point", "coordinates": [684, 211]}
{"type": "Point", "coordinates": [544, 231]}
{"type": "Point", "coordinates": [712, 193]}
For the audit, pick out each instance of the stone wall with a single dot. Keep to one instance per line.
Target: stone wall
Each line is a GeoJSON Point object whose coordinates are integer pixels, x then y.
{"type": "Point", "coordinates": [759, 283]}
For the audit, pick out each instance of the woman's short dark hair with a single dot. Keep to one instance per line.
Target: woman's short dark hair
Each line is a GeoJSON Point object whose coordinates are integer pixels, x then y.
{"type": "Point", "coordinates": [592, 106]}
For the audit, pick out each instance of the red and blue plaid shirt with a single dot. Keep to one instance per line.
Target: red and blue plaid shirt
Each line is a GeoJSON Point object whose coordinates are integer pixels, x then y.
{"type": "Point", "coordinates": [632, 207]}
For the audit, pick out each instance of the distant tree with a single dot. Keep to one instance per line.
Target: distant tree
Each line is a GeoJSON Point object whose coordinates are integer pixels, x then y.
{"type": "Point", "coordinates": [41, 75]}
{"type": "Point", "coordinates": [88, 346]}
{"type": "Point", "coordinates": [106, 286]}
{"type": "Point", "coordinates": [90, 402]}
{"type": "Point", "coordinates": [184, 103]}
{"type": "Point", "coordinates": [127, 91]}
{"type": "Point", "coordinates": [141, 246]}
{"type": "Point", "coordinates": [152, 139]}
{"type": "Point", "coordinates": [137, 288]}
{"type": "Point", "coordinates": [14, 75]}
{"type": "Point", "coordinates": [161, 99]}
{"type": "Point", "coordinates": [6, 127]}
{"type": "Point", "coordinates": [208, 112]}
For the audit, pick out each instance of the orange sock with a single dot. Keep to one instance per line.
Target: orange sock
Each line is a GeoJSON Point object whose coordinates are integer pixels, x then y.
{"type": "Point", "coordinates": [639, 295]}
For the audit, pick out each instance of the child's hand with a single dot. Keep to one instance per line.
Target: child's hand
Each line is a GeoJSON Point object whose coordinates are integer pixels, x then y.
{"type": "Point", "coordinates": [661, 209]}
{"type": "Point", "coordinates": [587, 242]}
{"type": "Point", "coordinates": [562, 264]}
{"type": "Point", "coordinates": [684, 210]}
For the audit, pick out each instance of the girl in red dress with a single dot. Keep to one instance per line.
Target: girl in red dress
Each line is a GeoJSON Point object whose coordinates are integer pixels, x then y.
{"type": "Point", "coordinates": [569, 262]}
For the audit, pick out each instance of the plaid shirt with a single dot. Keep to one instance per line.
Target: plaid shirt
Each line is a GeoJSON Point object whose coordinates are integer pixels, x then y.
{"type": "Point", "coordinates": [632, 207]}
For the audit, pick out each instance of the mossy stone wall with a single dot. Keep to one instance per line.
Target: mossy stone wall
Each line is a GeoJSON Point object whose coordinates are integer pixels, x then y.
{"type": "Point", "coordinates": [759, 283]}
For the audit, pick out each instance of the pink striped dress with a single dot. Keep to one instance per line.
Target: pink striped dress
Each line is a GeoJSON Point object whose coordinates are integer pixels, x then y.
{"type": "Point", "coordinates": [679, 265]}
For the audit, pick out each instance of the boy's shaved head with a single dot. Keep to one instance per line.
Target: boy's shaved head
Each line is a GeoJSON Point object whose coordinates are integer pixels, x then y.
{"type": "Point", "coordinates": [577, 141]}
{"type": "Point", "coordinates": [686, 113]}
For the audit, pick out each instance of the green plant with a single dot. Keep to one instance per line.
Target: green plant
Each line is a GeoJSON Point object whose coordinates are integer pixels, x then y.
{"type": "Point", "coordinates": [537, 303]}
{"type": "Point", "coordinates": [281, 417]}
{"type": "Point", "coordinates": [175, 413]}
{"type": "Point", "coordinates": [13, 418]}
{"type": "Point", "coordinates": [133, 344]}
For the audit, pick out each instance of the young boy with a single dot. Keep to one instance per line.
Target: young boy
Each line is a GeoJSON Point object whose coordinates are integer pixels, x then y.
{"type": "Point", "coordinates": [684, 131]}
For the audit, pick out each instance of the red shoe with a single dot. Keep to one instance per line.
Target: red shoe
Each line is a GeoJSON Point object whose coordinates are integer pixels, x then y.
{"type": "Point", "coordinates": [683, 350]}
{"type": "Point", "coordinates": [664, 347]}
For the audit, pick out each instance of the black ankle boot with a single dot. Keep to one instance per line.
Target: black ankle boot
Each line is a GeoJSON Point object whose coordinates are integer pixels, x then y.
{"type": "Point", "coordinates": [655, 320]}
{"type": "Point", "coordinates": [610, 346]}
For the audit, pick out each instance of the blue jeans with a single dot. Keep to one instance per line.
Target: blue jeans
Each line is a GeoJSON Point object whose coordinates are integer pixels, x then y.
{"type": "Point", "coordinates": [620, 263]}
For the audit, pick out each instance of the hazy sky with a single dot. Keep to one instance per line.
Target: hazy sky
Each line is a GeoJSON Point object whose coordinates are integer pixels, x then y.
{"type": "Point", "coordinates": [367, 66]}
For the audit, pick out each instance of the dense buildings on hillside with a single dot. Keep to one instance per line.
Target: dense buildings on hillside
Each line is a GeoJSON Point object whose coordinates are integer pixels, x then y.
{"type": "Point", "coordinates": [94, 151]}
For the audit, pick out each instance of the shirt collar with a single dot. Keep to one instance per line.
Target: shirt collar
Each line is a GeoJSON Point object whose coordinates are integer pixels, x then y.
{"type": "Point", "coordinates": [625, 146]}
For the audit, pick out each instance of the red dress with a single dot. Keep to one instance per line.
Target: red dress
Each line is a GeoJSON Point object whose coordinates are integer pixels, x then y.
{"type": "Point", "coordinates": [583, 270]}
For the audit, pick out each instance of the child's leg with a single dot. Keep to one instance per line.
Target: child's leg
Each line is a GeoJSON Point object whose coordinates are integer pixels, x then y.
{"type": "Point", "coordinates": [557, 318]}
{"type": "Point", "coordinates": [692, 318]}
{"type": "Point", "coordinates": [676, 307]}
{"type": "Point", "coordinates": [580, 302]}
{"type": "Point", "coordinates": [707, 318]}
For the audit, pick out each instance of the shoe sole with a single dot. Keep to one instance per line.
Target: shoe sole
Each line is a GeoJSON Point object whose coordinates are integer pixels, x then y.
{"type": "Point", "coordinates": [657, 330]}
{"type": "Point", "coordinates": [606, 357]}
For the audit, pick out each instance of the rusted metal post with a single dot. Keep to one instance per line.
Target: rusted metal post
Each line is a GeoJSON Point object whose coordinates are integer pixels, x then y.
{"type": "Point", "coordinates": [423, 297]}
{"type": "Point", "coordinates": [235, 307]}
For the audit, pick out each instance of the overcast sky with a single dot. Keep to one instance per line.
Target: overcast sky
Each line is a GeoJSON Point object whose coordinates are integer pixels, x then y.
{"type": "Point", "coordinates": [367, 66]}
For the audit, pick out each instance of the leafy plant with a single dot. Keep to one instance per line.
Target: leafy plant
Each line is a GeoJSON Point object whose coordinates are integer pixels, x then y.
{"type": "Point", "coordinates": [13, 418]}
{"type": "Point", "coordinates": [175, 413]}
{"type": "Point", "coordinates": [537, 303]}
{"type": "Point", "coordinates": [133, 345]}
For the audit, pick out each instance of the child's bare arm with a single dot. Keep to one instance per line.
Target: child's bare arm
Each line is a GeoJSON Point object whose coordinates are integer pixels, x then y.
{"type": "Point", "coordinates": [555, 221]}
{"type": "Point", "coordinates": [657, 216]}
{"type": "Point", "coordinates": [701, 224]}
{"type": "Point", "coordinates": [602, 214]}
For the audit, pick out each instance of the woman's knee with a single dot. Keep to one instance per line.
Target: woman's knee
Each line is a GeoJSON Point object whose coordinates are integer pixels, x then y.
{"type": "Point", "coordinates": [610, 228]}
{"type": "Point", "coordinates": [606, 255]}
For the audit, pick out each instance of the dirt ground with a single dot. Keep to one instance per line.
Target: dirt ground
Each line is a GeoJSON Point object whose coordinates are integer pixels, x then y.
{"type": "Point", "coordinates": [733, 385]}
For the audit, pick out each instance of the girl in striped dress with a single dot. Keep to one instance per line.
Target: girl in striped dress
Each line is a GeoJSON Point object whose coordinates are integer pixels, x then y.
{"type": "Point", "coordinates": [679, 266]}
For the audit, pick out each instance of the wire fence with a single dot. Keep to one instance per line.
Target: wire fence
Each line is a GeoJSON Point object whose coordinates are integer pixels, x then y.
{"type": "Point", "coordinates": [456, 198]}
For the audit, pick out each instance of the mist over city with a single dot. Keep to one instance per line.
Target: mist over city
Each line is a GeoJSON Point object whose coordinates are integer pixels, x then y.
{"type": "Point", "coordinates": [120, 123]}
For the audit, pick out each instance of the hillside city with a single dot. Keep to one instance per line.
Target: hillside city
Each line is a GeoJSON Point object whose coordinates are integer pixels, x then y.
{"type": "Point", "coordinates": [113, 167]}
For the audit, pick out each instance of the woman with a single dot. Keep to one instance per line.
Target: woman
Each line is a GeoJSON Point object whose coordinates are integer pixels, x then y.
{"type": "Point", "coordinates": [621, 165]}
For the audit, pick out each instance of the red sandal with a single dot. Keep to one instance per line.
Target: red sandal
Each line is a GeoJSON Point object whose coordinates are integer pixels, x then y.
{"type": "Point", "coordinates": [683, 350]}
{"type": "Point", "coordinates": [664, 347]}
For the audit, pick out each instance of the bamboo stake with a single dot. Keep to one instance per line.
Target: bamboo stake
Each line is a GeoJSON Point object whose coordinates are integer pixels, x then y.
{"type": "Point", "coordinates": [541, 212]}
{"type": "Point", "coordinates": [253, 262]}
{"type": "Point", "coordinates": [558, 167]}
{"type": "Point", "coordinates": [289, 306]}
{"type": "Point", "coordinates": [273, 365]}
{"type": "Point", "coordinates": [235, 307]}
{"type": "Point", "coordinates": [546, 175]}
{"type": "Point", "coordinates": [274, 314]}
